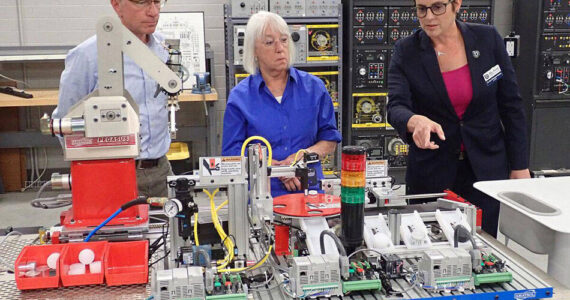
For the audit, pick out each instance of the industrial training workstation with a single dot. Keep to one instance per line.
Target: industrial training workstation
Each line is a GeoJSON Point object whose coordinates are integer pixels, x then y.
{"type": "Point", "coordinates": [284, 149]}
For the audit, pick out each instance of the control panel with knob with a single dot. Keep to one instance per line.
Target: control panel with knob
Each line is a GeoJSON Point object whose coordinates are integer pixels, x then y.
{"type": "Point", "coordinates": [555, 75]}
{"type": "Point", "coordinates": [300, 38]}
{"type": "Point", "coordinates": [370, 66]}
{"type": "Point", "coordinates": [246, 8]}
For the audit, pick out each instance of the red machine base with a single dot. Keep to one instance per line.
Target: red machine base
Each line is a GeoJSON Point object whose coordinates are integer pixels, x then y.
{"type": "Point", "coordinates": [99, 188]}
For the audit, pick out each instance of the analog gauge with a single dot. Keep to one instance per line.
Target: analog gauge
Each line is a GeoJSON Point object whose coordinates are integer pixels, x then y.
{"type": "Point", "coordinates": [367, 107]}
{"type": "Point", "coordinates": [172, 207]}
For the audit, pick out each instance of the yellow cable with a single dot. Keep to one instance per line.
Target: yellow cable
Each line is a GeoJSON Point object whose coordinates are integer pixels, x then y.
{"type": "Point", "coordinates": [256, 137]}
{"type": "Point", "coordinates": [221, 205]}
{"type": "Point", "coordinates": [257, 265]}
{"type": "Point", "coordinates": [296, 155]}
{"type": "Point", "coordinates": [196, 229]}
{"type": "Point", "coordinates": [226, 241]}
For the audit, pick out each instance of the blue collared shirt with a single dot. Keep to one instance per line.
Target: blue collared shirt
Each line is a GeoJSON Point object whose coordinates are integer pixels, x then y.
{"type": "Point", "coordinates": [304, 117]}
{"type": "Point", "coordinates": [80, 78]}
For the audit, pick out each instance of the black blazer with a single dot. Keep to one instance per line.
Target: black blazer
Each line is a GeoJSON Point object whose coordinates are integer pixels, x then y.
{"type": "Point", "coordinates": [493, 128]}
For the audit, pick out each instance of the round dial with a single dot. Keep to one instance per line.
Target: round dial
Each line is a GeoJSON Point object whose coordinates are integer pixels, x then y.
{"type": "Point", "coordinates": [377, 118]}
{"type": "Point", "coordinates": [367, 107]}
{"type": "Point", "coordinates": [295, 36]}
{"type": "Point", "coordinates": [172, 207]}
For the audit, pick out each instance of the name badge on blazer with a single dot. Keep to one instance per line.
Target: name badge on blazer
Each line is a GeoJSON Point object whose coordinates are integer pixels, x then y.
{"type": "Point", "coordinates": [493, 75]}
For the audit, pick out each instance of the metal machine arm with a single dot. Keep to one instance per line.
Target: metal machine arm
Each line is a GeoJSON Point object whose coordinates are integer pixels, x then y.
{"type": "Point", "coordinates": [113, 39]}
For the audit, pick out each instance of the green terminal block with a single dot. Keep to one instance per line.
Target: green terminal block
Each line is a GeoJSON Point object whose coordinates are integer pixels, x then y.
{"type": "Point", "coordinates": [316, 288]}
{"type": "Point", "coordinates": [240, 296]}
{"type": "Point", "coordinates": [361, 285]}
{"type": "Point", "coordinates": [492, 278]}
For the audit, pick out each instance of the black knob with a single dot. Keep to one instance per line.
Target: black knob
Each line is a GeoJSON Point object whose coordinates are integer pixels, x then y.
{"type": "Point", "coordinates": [295, 36]}
{"type": "Point", "coordinates": [242, 5]}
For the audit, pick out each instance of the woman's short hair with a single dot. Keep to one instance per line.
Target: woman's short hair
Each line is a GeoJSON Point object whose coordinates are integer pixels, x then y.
{"type": "Point", "coordinates": [256, 27]}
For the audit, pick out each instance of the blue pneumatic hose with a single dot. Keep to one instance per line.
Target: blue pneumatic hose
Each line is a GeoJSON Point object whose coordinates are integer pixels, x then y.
{"type": "Point", "coordinates": [103, 224]}
{"type": "Point", "coordinates": [137, 201]}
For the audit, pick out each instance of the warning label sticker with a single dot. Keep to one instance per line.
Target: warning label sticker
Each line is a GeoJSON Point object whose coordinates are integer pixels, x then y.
{"type": "Point", "coordinates": [376, 168]}
{"type": "Point", "coordinates": [221, 166]}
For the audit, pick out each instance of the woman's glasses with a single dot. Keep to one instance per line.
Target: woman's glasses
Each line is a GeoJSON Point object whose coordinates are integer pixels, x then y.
{"type": "Point", "coordinates": [437, 9]}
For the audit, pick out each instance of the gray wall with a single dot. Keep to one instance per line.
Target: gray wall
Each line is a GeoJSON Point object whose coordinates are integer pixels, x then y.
{"type": "Point", "coordinates": [68, 22]}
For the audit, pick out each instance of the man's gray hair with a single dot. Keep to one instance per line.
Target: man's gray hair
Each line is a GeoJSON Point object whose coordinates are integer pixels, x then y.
{"type": "Point", "coordinates": [256, 27]}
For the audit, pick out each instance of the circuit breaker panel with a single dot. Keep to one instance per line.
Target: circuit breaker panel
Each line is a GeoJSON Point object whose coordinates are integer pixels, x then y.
{"type": "Point", "coordinates": [373, 28]}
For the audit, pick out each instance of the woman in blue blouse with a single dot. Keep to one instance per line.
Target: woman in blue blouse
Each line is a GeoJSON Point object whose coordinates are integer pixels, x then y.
{"type": "Point", "coordinates": [290, 108]}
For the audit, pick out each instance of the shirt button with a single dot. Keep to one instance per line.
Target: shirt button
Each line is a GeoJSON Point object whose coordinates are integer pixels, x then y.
{"type": "Point", "coordinates": [285, 148]}
{"type": "Point", "coordinates": [461, 123]}
{"type": "Point", "coordinates": [285, 127]}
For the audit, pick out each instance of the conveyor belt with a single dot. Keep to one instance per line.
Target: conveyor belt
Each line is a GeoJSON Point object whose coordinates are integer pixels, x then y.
{"type": "Point", "coordinates": [523, 286]}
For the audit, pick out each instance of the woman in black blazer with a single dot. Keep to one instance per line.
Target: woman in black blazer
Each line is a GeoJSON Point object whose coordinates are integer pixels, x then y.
{"type": "Point", "coordinates": [454, 98]}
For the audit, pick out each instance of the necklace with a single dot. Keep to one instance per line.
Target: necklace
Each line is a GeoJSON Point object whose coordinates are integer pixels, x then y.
{"type": "Point", "coordinates": [439, 53]}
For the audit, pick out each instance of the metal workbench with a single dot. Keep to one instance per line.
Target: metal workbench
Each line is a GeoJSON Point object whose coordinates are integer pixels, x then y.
{"type": "Point", "coordinates": [525, 285]}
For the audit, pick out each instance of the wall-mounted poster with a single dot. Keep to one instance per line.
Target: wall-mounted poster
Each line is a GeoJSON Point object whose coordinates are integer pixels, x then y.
{"type": "Point", "coordinates": [188, 27]}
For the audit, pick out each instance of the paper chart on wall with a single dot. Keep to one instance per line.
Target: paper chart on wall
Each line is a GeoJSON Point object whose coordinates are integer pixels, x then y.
{"type": "Point", "coordinates": [189, 28]}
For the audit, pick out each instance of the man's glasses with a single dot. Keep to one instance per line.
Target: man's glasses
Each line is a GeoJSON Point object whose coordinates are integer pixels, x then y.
{"type": "Point", "coordinates": [437, 9]}
{"type": "Point", "coordinates": [147, 3]}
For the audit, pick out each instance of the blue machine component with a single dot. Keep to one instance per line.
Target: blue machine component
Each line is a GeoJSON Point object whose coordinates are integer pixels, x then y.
{"type": "Point", "coordinates": [202, 86]}
{"type": "Point", "coordinates": [199, 259]}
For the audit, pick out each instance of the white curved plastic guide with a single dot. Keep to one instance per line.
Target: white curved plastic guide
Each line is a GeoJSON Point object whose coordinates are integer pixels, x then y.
{"type": "Point", "coordinates": [448, 220]}
{"type": "Point", "coordinates": [414, 232]}
{"type": "Point", "coordinates": [376, 233]}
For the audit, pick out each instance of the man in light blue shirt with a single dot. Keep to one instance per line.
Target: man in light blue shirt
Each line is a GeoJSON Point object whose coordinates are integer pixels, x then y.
{"type": "Point", "coordinates": [80, 78]}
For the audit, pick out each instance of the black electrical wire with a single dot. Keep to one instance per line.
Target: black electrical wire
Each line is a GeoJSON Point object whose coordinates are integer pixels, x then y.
{"type": "Point", "coordinates": [336, 240]}
{"type": "Point", "coordinates": [465, 234]}
{"type": "Point", "coordinates": [232, 238]}
{"type": "Point", "coordinates": [137, 201]}
{"type": "Point", "coordinates": [158, 260]}
{"type": "Point", "coordinates": [161, 241]}
{"type": "Point", "coordinates": [393, 183]}
{"type": "Point", "coordinates": [165, 234]}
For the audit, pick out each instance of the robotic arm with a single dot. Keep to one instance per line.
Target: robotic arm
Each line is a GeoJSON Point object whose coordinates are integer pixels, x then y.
{"type": "Point", "coordinates": [105, 124]}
